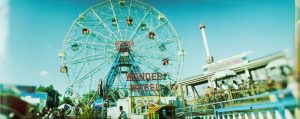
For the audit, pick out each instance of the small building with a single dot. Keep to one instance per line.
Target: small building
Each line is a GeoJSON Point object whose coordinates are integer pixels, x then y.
{"type": "Point", "coordinates": [161, 112]}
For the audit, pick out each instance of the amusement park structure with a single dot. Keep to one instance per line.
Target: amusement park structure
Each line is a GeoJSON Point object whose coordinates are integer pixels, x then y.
{"type": "Point", "coordinates": [237, 87]}
{"type": "Point", "coordinates": [128, 54]}
{"type": "Point", "coordinates": [124, 49]}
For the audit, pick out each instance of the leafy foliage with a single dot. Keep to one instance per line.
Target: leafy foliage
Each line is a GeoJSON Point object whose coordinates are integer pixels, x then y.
{"type": "Point", "coordinates": [53, 95]}
{"type": "Point", "coordinates": [89, 113]}
{"type": "Point", "coordinates": [66, 100]}
{"type": "Point", "coordinates": [165, 90]}
{"type": "Point", "coordinates": [88, 96]}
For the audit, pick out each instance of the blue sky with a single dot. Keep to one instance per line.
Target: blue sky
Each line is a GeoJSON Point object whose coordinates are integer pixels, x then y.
{"type": "Point", "coordinates": [37, 29]}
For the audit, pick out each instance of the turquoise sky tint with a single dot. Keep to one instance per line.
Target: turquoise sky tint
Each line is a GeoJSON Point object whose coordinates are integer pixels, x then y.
{"type": "Point", "coordinates": [37, 29]}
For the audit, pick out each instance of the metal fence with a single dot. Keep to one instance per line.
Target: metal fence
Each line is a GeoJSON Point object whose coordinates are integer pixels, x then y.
{"type": "Point", "coordinates": [243, 105]}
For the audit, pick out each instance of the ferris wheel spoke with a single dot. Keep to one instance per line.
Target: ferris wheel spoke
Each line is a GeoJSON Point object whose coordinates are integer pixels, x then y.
{"type": "Point", "coordinates": [115, 17]}
{"type": "Point", "coordinates": [75, 38]}
{"type": "Point", "coordinates": [139, 24]}
{"type": "Point", "coordinates": [167, 41]}
{"type": "Point", "coordinates": [105, 25]}
{"type": "Point", "coordinates": [104, 64]}
{"type": "Point", "coordinates": [82, 86]}
{"type": "Point", "coordinates": [75, 54]}
{"type": "Point", "coordinates": [129, 14]}
{"type": "Point", "coordinates": [78, 73]}
{"type": "Point", "coordinates": [149, 53]}
{"type": "Point", "coordinates": [89, 43]}
{"type": "Point", "coordinates": [90, 56]}
{"type": "Point", "coordinates": [144, 61]}
{"type": "Point", "coordinates": [141, 44]}
{"type": "Point", "coordinates": [86, 53]}
{"type": "Point", "coordinates": [83, 59]}
{"type": "Point", "coordinates": [157, 57]}
{"type": "Point", "coordinates": [97, 34]}
{"type": "Point", "coordinates": [90, 60]}
{"type": "Point", "coordinates": [107, 60]}
{"type": "Point", "coordinates": [158, 26]}
{"type": "Point", "coordinates": [86, 60]}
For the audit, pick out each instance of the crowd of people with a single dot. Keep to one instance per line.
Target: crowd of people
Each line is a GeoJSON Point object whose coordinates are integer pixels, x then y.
{"type": "Point", "coordinates": [54, 113]}
{"type": "Point", "coordinates": [49, 113]}
{"type": "Point", "coordinates": [72, 113]}
{"type": "Point", "coordinates": [232, 88]}
{"type": "Point", "coordinates": [220, 90]}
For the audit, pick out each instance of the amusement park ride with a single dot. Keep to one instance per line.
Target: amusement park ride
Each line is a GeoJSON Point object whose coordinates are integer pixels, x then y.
{"type": "Point", "coordinates": [129, 53]}
{"type": "Point", "coordinates": [127, 46]}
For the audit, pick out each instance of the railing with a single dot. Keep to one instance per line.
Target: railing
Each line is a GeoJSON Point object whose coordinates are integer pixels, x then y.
{"type": "Point", "coordinates": [230, 94]}
{"type": "Point", "coordinates": [279, 103]}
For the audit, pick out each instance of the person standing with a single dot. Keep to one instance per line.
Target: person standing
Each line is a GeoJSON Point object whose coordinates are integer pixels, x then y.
{"type": "Point", "coordinates": [123, 114]}
{"type": "Point", "coordinates": [225, 91]}
{"type": "Point", "coordinates": [235, 85]}
{"type": "Point", "coordinates": [209, 94]}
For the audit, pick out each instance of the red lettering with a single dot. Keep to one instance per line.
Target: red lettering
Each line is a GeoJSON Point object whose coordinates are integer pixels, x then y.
{"type": "Point", "coordinates": [132, 87]}
{"type": "Point", "coordinates": [136, 76]}
{"type": "Point", "coordinates": [145, 87]}
{"type": "Point", "coordinates": [153, 76]}
{"type": "Point", "coordinates": [152, 87]}
{"type": "Point", "coordinates": [140, 88]}
{"type": "Point", "coordinates": [147, 76]}
{"type": "Point", "coordinates": [142, 76]}
{"type": "Point", "coordinates": [157, 87]}
{"type": "Point", "coordinates": [159, 76]}
{"type": "Point", "coordinates": [128, 76]}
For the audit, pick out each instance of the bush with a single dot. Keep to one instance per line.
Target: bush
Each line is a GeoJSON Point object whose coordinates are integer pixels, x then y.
{"type": "Point", "coordinates": [89, 113]}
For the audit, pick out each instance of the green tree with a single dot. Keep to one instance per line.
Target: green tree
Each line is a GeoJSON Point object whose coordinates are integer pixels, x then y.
{"type": "Point", "coordinates": [53, 95]}
{"type": "Point", "coordinates": [89, 113]}
{"type": "Point", "coordinates": [165, 90]}
{"type": "Point", "coordinates": [91, 95]}
{"type": "Point", "coordinates": [66, 100]}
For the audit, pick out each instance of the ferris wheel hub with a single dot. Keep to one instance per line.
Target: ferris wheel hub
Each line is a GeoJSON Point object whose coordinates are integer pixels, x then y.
{"type": "Point", "coordinates": [124, 46]}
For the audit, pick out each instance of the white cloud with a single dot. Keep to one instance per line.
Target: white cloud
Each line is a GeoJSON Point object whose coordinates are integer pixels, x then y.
{"type": "Point", "coordinates": [44, 73]}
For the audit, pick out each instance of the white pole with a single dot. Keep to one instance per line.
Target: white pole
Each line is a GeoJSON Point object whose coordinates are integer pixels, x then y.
{"type": "Point", "coordinates": [246, 116]}
{"type": "Point", "coordinates": [288, 114]}
{"type": "Point", "coordinates": [202, 28]}
{"type": "Point", "coordinates": [278, 115]}
{"type": "Point", "coordinates": [269, 115]}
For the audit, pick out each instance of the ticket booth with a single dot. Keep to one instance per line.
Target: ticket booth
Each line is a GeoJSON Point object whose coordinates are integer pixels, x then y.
{"type": "Point", "coordinates": [161, 112]}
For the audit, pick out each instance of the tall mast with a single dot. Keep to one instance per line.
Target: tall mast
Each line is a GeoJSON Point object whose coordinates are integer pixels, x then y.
{"type": "Point", "coordinates": [209, 57]}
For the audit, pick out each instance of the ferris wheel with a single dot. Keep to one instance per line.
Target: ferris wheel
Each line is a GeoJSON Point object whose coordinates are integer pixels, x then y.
{"type": "Point", "coordinates": [108, 34]}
